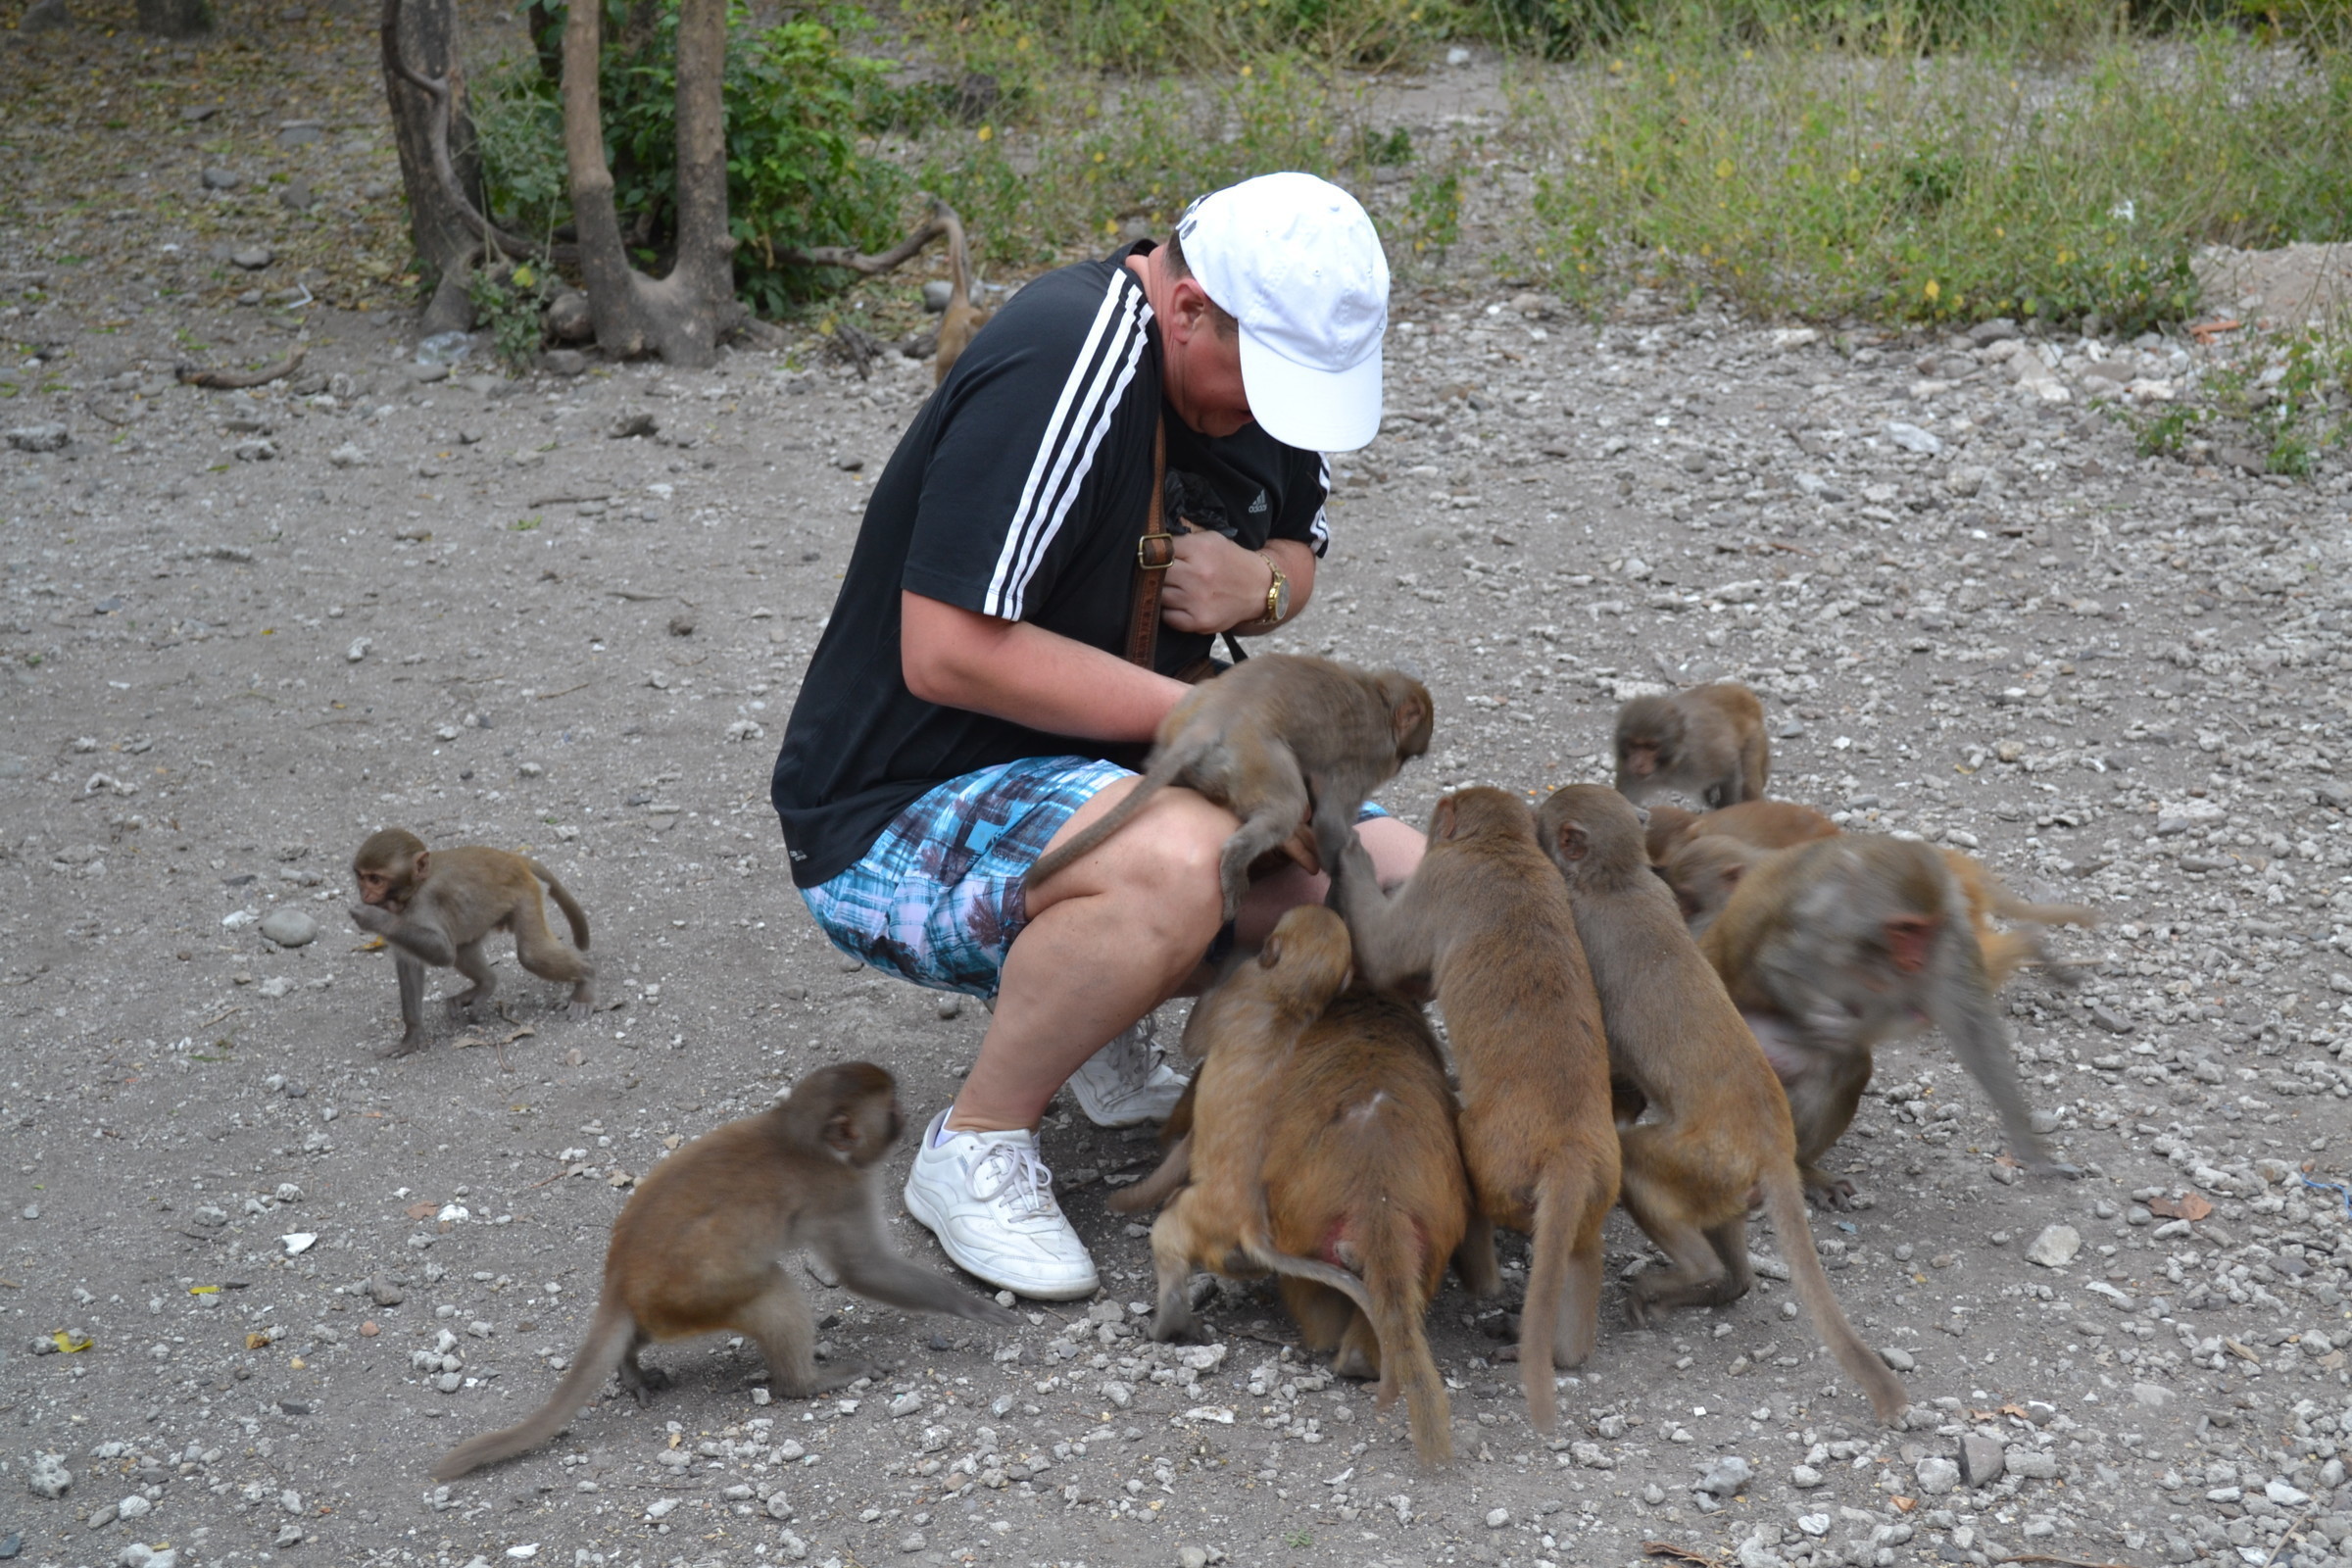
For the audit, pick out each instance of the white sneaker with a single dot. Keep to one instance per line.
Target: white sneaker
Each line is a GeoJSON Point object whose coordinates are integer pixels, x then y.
{"type": "Point", "coordinates": [989, 1201]}
{"type": "Point", "coordinates": [1129, 1081]}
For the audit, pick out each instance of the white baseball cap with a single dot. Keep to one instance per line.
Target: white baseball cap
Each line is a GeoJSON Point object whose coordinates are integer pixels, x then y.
{"type": "Point", "coordinates": [1296, 261]}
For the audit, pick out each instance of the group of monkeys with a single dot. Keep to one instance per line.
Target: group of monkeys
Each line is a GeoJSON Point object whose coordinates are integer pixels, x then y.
{"type": "Point", "coordinates": [1668, 1010]}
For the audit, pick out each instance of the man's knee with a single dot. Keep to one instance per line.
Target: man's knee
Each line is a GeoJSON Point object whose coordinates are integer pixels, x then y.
{"type": "Point", "coordinates": [1165, 864]}
{"type": "Point", "coordinates": [1395, 848]}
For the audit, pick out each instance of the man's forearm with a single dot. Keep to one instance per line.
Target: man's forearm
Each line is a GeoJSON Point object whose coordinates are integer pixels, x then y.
{"type": "Point", "coordinates": [1012, 670]}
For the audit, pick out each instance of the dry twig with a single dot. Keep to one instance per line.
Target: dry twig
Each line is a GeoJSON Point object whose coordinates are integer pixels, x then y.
{"type": "Point", "coordinates": [231, 380]}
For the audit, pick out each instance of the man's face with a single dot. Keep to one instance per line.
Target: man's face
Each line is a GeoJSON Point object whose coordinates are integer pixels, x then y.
{"type": "Point", "coordinates": [1204, 366]}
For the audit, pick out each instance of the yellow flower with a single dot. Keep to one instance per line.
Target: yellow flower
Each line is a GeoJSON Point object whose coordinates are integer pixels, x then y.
{"type": "Point", "coordinates": [1723, 170]}
{"type": "Point", "coordinates": [1933, 290]}
{"type": "Point", "coordinates": [987, 132]}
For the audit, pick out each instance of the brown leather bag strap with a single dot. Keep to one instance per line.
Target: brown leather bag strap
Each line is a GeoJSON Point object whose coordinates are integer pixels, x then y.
{"type": "Point", "coordinates": [1154, 552]}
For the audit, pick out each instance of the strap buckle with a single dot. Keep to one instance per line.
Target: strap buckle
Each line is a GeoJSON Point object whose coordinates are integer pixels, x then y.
{"type": "Point", "coordinates": [1155, 551]}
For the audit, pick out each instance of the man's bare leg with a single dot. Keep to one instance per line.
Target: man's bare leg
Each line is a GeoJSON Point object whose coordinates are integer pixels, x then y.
{"type": "Point", "coordinates": [1118, 934]}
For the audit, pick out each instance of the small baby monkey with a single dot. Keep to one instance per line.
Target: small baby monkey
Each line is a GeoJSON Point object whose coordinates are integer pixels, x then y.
{"type": "Point", "coordinates": [436, 909]}
{"type": "Point", "coordinates": [699, 1250]}
{"type": "Point", "coordinates": [1707, 742]}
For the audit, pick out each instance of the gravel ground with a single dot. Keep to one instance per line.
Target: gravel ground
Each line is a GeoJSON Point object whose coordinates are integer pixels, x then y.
{"type": "Point", "coordinates": [256, 1280]}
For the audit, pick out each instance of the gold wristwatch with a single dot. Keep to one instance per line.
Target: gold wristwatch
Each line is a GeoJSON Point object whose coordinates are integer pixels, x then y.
{"type": "Point", "coordinates": [1278, 592]}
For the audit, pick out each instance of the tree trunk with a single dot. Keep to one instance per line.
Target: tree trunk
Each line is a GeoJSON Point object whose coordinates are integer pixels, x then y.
{"type": "Point", "coordinates": [423, 34]}
{"type": "Point", "coordinates": [176, 19]}
{"type": "Point", "coordinates": [682, 316]}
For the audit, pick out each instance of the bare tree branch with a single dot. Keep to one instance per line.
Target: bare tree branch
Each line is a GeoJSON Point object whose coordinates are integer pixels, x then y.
{"type": "Point", "coordinates": [851, 260]}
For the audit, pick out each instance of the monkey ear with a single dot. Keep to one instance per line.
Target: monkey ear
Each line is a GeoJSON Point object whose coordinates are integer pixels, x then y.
{"type": "Point", "coordinates": [1411, 713]}
{"type": "Point", "coordinates": [1642, 814]}
{"type": "Point", "coordinates": [1575, 844]}
{"type": "Point", "coordinates": [417, 867]}
{"type": "Point", "coordinates": [1733, 872]}
{"type": "Point", "coordinates": [1271, 954]}
{"type": "Point", "coordinates": [1442, 819]}
{"type": "Point", "coordinates": [840, 1132]}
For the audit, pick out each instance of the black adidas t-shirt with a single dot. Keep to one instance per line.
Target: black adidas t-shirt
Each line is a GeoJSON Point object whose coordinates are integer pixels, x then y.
{"type": "Point", "coordinates": [1018, 492]}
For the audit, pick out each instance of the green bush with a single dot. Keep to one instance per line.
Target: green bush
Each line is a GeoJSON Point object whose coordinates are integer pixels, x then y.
{"type": "Point", "coordinates": [1821, 181]}
{"type": "Point", "coordinates": [800, 167]}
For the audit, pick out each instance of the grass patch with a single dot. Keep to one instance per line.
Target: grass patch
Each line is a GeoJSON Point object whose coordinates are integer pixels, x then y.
{"type": "Point", "coordinates": [1800, 177]}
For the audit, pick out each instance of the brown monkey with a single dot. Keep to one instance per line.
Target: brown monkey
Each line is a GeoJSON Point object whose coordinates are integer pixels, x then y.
{"type": "Point", "coordinates": [699, 1250]}
{"type": "Point", "coordinates": [1364, 1170]}
{"type": "Point", "coordinates": [964, 318]}
{"type": "Point", "coordinates": [437, 907]}
{"type": "Point", "coordinates": [1665, 830]}
{"type": "Point", "coordinates": [1718, 1126]}
{"type": "Point", "coordinates": [1832, 947]}
{"type": "Point", "coordinates": [1486, 919]}
{"type": "Point", "coordinates": [1707, 742]}
{"type": "Point", "coordinates": [1267, 740]}
{"type": "Point", "coordinates": [1759, 824]}
{"type": "Point", "coordinates": [1253, 1020]}
{"type": "Point", "coordinates": [1702, 872]}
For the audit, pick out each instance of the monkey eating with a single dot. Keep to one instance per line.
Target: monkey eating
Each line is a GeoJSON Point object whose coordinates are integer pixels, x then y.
{"type": "Point", "coordinates": [1249, 1026]}
{"type": "Point", "coordinates": [1707, 742]}
{"type": "Point", "coordinates": [1363, 1169]}
{"type": "Point", "coordinates": [1834, 945]}
{"type": "Point", "coordinates": [1268, 740]}
{"type": "Point", "coordinates": [699, 1250]}
{"type": "Point", "coordinates": [437, 907]}
{"type": "Point", "coordinates": [1485, 918]}
{"type": "Point", "coordinates": [1717, 1126]}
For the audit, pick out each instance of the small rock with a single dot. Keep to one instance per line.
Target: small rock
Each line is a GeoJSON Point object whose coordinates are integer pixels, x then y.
{"type": "Point", "coordinates": [1726, 1476]}
{"type": "Point", "coordinates": [1900, 1359]}
{"type": "Point", "coordinates": [1936, 1476]}
{"type": "Point", "coordinates": [913, 1542]}
{"type": "Point", "coordinates": [288, 1536]}
{"type": "Point", "coordinates": [43, 15]}
{"type": "Point", "coordinates": [564, 362]}
{"type": "Point", "coordinates": [2055, 1246]}
{"type": "Point", "coordinates": [937, 294]}
{"type": "Point", "coordinates": [289, 927]}
{"type": "Point", "coordinates": [2031, 1463]}
{"type": "Point", "coordinates": [39, 437]}
{"type": "Point", "coordinates": [2107, 1018]}
{"type": "Point", "coordinates": [632, 422]}
{"type": "Point", "coordinates": [1804, 1477]}
{"type": "Point", "coordinates": [681, 624]}
{"type": "Point", "coordinates": [133, 1507]}
{"type": "Point", "coordinates": [2000, 329]}
{"type": "Point", "coordinates": [252, 258]}
{"type": "Point", "coordinates": [47, 1476]}
{"type": "Point", "coordinates": [255, 449]}
{"type": "Point", "coordinates": [569, 319]}
{"type": "Point", "coordinates": [950, 1006]}
{"type": "Point", "coordinates": [1496, 1518]}
{"type": "Point", "coordinates": [358, 650]}
{"type": "Point", "coordinates": [2285, 1495]}
{"type": "Point", "coordinates": [1911, 438]}
{"type": "Point", "coordinates": [299, 1243]}
{"type": "Point", "coordinates": [2155, 1395]}
{"type": "Point", "coordinates": [777, 1504]}
{"type": "Point", "coordinates": [223, 179]}
{"type": "Point", "coordinates": [101, 1517]}
{"type": "Point", "coordinates": [348, 456]}
{"type": "Point", "coordinates": [383, 1292]}
{"type": "Point", "coordinates": [297, 196]}
{"type": "Point", "coordinates": [1980, 1460]}
{"type": "Point", "coordinates": [1191, 1557]}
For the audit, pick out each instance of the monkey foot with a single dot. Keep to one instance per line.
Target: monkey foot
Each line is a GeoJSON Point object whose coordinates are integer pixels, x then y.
{"type": "Point", "coordinates": [408, 1046]}
{"type": "Point", "coordinates": [1830, 1192]}
{"type": "Point", "coordinates": [643, 1381]}
{"type": "Point", "coordinates": [577, 1010]}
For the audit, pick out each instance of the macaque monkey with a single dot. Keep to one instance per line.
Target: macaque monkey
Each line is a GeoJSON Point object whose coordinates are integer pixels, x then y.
{"type": "Point", "coordinates": [1363, 1169]}
{"type": "Point", "coordinates": [1664, 828]}
{"type": "Point", "coordinates": [1253, 1020]}
{"type": "Point", "coordinates": [437, 908]}
{"type": "Point", "coordinates": [1485, 919]}
{"type": "Point", "coordinates": [1832, 947]}
{"type": "Point", "coordinates": [700, 1248]}
{"type": "Point", "coordinates": [1707, 742]}
{"type": "Point", "coordinates": [964, 316]}
{"type": "Point", "coordinates": [1701, 873]}
{"type": "Point", "coordinates": [1717, 1126]}
{"type": "Point", "coordinates": [1267, 740]}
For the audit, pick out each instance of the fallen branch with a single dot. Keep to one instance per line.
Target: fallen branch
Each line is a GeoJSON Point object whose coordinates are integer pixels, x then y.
{"type": "Point", "coordinates": [231, 380]}
{"type": "Point", "coordinates": [848, 257]}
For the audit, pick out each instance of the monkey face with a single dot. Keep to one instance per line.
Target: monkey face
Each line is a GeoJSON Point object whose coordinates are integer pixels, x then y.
{"type": "Point", "coordinates": [379, 887]}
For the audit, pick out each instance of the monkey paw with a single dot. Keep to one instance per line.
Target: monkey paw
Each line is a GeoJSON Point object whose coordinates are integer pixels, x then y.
{"type": "Point", "coordinates": [367, 918]}
{"type": "Point", "coordinates": [642, 1381]}
{"type": "Point", "coordinates": [1830, 1192]}
{"type": "Point", "coordinates": [409, 1045]}
{"type": "Point", "coordinates": [579, 1007]}
{"type": "Point", "coordinates": [1167, 1329]}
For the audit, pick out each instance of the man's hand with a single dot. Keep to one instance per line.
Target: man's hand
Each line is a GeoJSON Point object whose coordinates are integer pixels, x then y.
{"type": "Point", "coordinates": [1215, 585]}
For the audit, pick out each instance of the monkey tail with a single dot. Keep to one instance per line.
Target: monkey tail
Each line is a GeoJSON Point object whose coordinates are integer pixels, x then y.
{"type": "Point", "coordinates": [1393, 1270]}
{"type": "Point", "coordinates": [564, 902]}
{"type": "Point", "coordinates": [1555, 1237]}
{"type": "Point", "coordinates": [1785, 1203]}
{"type": "Point", "coordinates": [610, 1334]}
{"type": "Point", "coordinates": [1260, 1251]}
{"type": "Point", "coordinates": [1175, 1169]}
{"type": "Point", "coordinates": [2009, 907]}
{"type": "Point", "coordinates": [1158, 776]}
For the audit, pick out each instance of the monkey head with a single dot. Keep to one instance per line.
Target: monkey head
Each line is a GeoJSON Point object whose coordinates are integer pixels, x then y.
{"type": "Point", "coordinates": [1593, 835]}
{"type": "Point", "coordinates": [1480, 812]}
{"type": "Point", "coordinates": [1703, 871]}
{"type": "Point", "coordinates": [389, 866]}
{"type": "Point", "coordinates": [1664, 828]}
{"type": "Point", "coordinates": [1309, 950]}
{"type": "Point", "coordinates": [851, 1108]}
{"type": "Point", "coordinates": [1411, 714]}
{"type": "Point", "coordinates": [1649, 737]}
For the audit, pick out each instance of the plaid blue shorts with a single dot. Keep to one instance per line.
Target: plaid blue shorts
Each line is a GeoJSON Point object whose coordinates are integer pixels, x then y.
{"type": "Point", "coordinates": [938, 898]}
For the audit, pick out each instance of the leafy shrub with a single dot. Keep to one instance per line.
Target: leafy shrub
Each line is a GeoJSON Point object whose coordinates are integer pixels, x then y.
{"type": "Point", "coordinates": [800, 169]}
